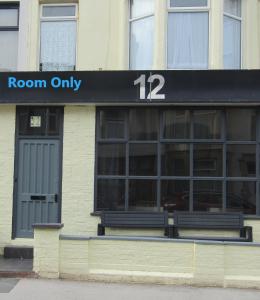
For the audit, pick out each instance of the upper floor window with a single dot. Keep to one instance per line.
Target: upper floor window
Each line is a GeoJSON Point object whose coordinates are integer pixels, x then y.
{"type": "Point", "coordinates": [141, 34]}
{"type": "Point", "coordinates": [9, 27]}
{"type": "Point", "coordinates": [58, 37]}
{"type": "Point", "coordinates": [188, 34]}
{"type": "Point", "coordinates": [232, 34]}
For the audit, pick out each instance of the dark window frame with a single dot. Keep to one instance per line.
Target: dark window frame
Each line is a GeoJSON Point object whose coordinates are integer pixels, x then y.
{"type": "Point", "coordinates": [191, 141]}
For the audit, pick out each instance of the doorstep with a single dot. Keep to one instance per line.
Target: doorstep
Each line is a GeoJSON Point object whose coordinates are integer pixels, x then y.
{"type": "Point", "coordinates": [16, 268]}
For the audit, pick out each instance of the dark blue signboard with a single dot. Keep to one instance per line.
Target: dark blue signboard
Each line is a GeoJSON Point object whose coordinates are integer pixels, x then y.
{"type": "Point", "coordinates": [131, 87]}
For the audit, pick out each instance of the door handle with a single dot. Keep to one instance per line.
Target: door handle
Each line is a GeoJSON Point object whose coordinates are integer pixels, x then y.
{"type": "Point", "coordinates": [56, 198]}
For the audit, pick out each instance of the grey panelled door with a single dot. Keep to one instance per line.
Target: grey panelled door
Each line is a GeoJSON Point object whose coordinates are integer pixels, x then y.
{"type": "Point", "coordinates": [38, 184]}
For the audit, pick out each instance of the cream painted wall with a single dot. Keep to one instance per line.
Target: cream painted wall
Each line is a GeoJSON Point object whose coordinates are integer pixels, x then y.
{"type": "Point", "coordinates": [103, 34]}
{"type": "Point", "coordinates": [7, 138]}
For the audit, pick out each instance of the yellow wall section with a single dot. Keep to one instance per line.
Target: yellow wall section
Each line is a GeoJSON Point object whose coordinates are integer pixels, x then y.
{"type": "Point", "coordinates": [7, 139]}
{"type": "Point", "coordinates": [161, 261]}
{"type": "Point", "coordinates": [78, 170]}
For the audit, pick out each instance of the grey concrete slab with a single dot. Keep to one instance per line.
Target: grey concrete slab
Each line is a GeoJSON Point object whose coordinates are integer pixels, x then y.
{"type": "Point", "coordinates": [31, 289]}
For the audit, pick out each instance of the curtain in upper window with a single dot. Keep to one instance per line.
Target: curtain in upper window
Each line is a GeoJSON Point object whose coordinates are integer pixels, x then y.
{"type": "Point", "coordinates": [188, 40]}
{"type": "Point", "coordinates": [58, 45]}
{"type": "Point", "coordinates": [232, 34]}
{"type": "Point", "coordinates": [141, 34]}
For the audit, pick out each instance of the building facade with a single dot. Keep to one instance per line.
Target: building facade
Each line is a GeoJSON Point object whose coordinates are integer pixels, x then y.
{"type": "Point", "coordinates": [66, 161]}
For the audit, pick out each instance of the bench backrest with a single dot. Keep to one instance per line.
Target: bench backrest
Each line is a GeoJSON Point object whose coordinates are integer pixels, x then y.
{"type": "Point", "coordinates": [134, 219]}
{"type": "Point", "coordinates": [208, 220]}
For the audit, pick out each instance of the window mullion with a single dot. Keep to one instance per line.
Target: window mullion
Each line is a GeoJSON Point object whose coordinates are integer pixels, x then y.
{"type": "Point", "coordinates": [127, 162]}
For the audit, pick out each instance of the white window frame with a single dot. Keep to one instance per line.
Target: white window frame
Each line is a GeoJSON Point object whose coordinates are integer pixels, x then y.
{"type": "Point", "coordinates": [195, 9]}
{"type": "Point", "coordinates": [241, 32]}
{"type": "Point", "coordinates": [130, 20]}
{"type": "Point", "coordinates": [59, 18]}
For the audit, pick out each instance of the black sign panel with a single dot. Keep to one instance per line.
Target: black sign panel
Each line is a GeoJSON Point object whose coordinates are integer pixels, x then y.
{"type": "Point", "coordinates": [131, 87]}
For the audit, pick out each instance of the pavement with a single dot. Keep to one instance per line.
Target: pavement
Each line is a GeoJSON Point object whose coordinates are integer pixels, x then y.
{"type": "Point", "coordinates": [32, 289]}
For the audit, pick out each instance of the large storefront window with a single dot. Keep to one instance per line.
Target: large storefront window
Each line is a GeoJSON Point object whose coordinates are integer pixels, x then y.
{"type": "Point", "coordinates": [154, 159]}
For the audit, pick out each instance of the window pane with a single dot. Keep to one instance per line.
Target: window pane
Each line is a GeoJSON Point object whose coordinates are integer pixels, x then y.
{"type": "Point", "coordinates": [232, 43]}
{"type": "Point", "coordinates": [54, 121]}
{"type": "Point", "coordinates": [241, 197]}
{"type": "Point", "coordinates": [175, 159]}
{"type": "Point", "coordinates": [233, 7]}
{"type": "Point", "coordinates": [9, 17]}
{"type": "Point", "coordinates": [143, 159]}
{"type": "Point", "coordinates": [207, 196]}
{"type": "Point", "coordinates": [141, 7]}
{"type": "Point", "coordinates": [110, 194]}
{"type": "Point", "coordinates": [9, 49]}
{"type": "Point", "coordinates": [141, 44]}
{"type": "Point", "coordinates": [56, 37]}
{"type": "Point", "coordinates": [188, 44]}
{"type": "Point", "coordinates": [208, 160]}
{"type": "Point", "coordinates": [32, 121]}
{"type": "Point", "coordinates": [142, 195]}
{"type": "Point", "coordinates": [175, 195]}
{"type": "Point", "coordinates": [143, 124]}
{"type": "Point", "coordinates": [188, 3]}
{"type": "Point", "coordinates": [176, 124]}
{"type": "Point", "coordinates": [207, 124]}
{"type": "Point", "coordinates": [59, 11]}
{"type": "Point", "coordinates": [241, 160]}
{"type": "Point", "coordinates": [112, 124]}
{"type": "Point", "coordinates": [111, 159]}
{"type": "Point", "coordinates": [235, 131]}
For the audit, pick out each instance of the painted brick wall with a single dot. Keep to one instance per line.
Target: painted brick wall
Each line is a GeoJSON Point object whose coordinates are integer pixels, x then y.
{"type": "Point", "coordinates": [7, 139]}
{"type": "Point", "coordinates": [197, 263]}
{"type": "Point", "coordinates": [78, 170]}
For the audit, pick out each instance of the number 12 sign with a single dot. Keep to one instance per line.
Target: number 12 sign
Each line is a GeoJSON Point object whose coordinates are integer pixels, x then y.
{"type": "Point", "coordinates": [154, 94]}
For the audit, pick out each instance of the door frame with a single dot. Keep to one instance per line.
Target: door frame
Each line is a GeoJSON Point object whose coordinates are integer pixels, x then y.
{"type": "Point", "coordinates": [16, 161]}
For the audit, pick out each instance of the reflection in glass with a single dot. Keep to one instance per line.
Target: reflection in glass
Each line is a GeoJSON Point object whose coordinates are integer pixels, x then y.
{"type": "Point", "coordinates": [143, 159]}
{"type": "Point", "coordinates": [208, 160]}
{"type": "Point", "coordinates": [241, 197]}
{"type": "Point", "coordinates": [207, 124]}
{"type": "Point", "coordinates": [110, 194]}
{"type": "Point", "coordinates": [175, 195]}
{"type": "Point", "coordinates": [141, 43]}
{"type": "Point", "coordinates": [175, 160]}
{"type": "Point", "coordinates": [233, 7]}
{"type": "Point", "coordinates": [176, 124]}
{"type": "Point", "coordinates": [141, 8]}
{"type": "Point", "coordinates": [111, 159]}
{"type": "Point", "coordinates": [207, 196]}
{"type": "Point", "coordinates": [142, 195]}
{"type": "Point", "coordinates": [244, 117]}
{"type": "Point", "coordinates": [112, 124]}
{"type": "Point", "coordinates": [232, 43]}
{"type": "Point", "coordinates": [241, 160]}
{"type": "Point", "coordinates": [143, 124]}
{"type": "Point", "coordinates": [188, 3]}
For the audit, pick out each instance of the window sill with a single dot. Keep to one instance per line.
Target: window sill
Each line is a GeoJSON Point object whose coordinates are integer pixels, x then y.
{"type": "Point", "coordinates": [246, 217]}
